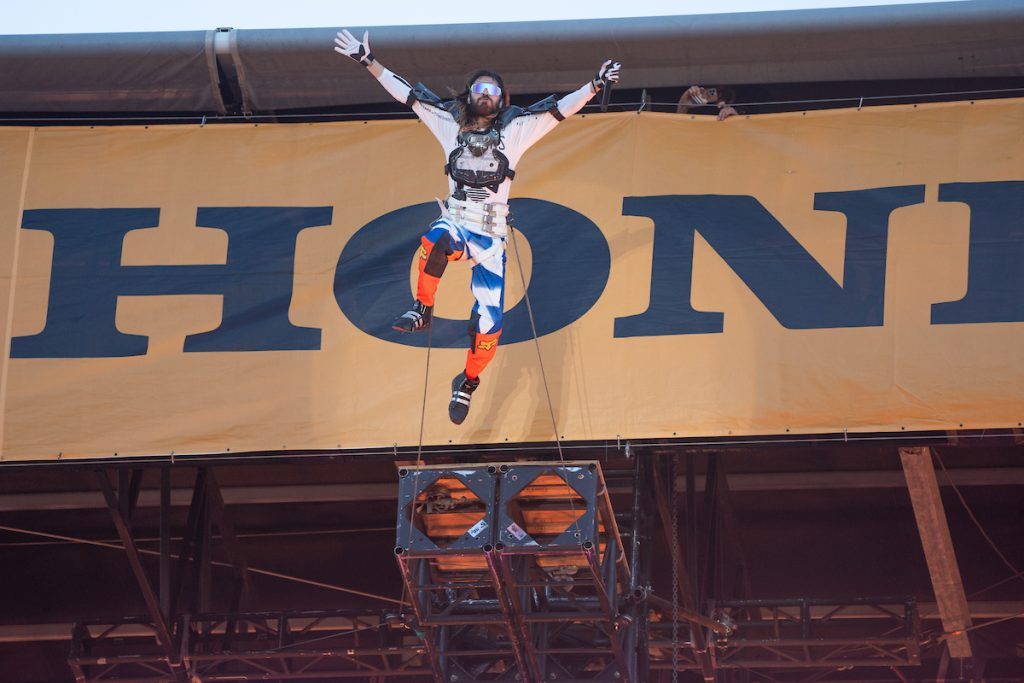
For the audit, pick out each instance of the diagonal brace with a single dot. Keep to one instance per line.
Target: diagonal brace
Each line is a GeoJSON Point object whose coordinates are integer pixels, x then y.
{"type": "Point", "coordinates": [163, 633]}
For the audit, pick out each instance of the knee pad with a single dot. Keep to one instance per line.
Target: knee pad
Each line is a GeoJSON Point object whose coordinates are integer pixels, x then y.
{"type": "Point", "coordinates": [437, 255]}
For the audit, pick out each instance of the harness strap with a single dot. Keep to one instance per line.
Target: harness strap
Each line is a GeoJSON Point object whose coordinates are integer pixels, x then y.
{"type": "Point", "coordinates": [494, 249]}
{"type": "Point", "coordinates": [491, 222]}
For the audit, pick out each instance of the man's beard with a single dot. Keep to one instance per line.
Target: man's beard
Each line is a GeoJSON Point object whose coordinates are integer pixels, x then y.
{"type": "Point", "coordinates": [483, 108]}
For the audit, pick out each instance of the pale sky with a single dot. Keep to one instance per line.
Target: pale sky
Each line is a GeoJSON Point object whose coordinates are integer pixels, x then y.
{"type": "Point", "coordinates": [108, 16]}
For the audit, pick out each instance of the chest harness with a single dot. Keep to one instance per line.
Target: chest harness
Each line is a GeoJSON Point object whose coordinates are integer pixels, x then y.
{"type": "Point", "coordinates": [478, 162]}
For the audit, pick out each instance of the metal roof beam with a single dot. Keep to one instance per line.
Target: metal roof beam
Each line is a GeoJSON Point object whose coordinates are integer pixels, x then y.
{"type": "Point", "coordinates": [295, 69]}
{"type": "Point", "coordinates": [368, 491]}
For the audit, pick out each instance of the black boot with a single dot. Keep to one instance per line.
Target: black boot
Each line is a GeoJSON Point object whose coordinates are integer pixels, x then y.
{"type": "Point", "coordinates": [462, 391]}
{"type": "Point", "coordinates": [416, 319]}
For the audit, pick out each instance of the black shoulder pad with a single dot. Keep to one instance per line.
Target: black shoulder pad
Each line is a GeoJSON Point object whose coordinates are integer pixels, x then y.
{"type": "Point", "coordinates": [421, 93]}
{"type": "Point", "coordinates": [548, 105]}
{"type": "Point", "coordinates": [452, 107]}
{"type": "Point", "coordinates": [509, 113]}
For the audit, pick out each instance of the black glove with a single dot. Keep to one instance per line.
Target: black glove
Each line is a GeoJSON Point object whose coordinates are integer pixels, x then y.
{"type": "Point", "coordinates": [608, 73]}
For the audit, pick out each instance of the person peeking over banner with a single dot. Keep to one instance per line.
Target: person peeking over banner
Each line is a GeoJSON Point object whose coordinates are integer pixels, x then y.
{"type": "Point", "coordinates": [483, 138]}
{"type": "Point", "coordinates": [718, 96]}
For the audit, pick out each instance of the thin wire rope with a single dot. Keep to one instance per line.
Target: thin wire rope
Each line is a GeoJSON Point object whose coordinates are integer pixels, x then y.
{"type": "Point", "coordinates": [536, 341]}
{"type": "Point", "coordinates": [492, 448]}
{"type": "Point", "coordinates": [267, 534]}
{"type": "Point", "coordinates": [212, 120]}
{"type": "Point", "coordinates": [423, 407]}
{"type": "Point", "coordinates": [547, 392]}
{"type": "Point", "coordinates": [223, 118]}
{"type": "Point", "coordinates": [934, 637]}
{"type": "Point", "coordinates": [970, 513]}
{"type": "Point", "coordinates": [1000, 620]}
{"type": "Point", "coordinates": [996, 584]}
{"type": "Point", "coordinates": [674, 505]}
{"type": "Point", "coordinates": [419, 455]}
{"type": "Point", "coordinates": [254, 570]}
{"type": "Point", "coordinates": [857, 98]}
{"type": "Point", "coordinates": [757, 673]}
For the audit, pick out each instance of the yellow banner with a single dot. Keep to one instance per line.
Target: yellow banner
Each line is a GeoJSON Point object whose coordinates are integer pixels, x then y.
{"type": "Point", "coordinates": [229, 288]}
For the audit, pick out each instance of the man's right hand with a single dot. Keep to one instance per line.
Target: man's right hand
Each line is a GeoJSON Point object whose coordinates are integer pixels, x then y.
{"type": "Point", "coordinates": [696, 95]}
{"type": "Point", "coordinates": [346, 44]}
{"type": "Point", "coordinates": [608, 73]}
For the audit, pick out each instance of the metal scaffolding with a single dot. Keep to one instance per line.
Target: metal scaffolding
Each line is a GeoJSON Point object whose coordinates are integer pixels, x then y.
{"type": "Point", "coordinates": [511, 572]}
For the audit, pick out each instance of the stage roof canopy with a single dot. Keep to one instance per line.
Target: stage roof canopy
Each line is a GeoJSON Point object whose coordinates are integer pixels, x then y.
{"type": "Point", "coordinates": [296, 69]}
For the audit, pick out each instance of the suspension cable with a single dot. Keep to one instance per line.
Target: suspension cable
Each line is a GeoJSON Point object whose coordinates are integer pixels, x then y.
{"type": "Point", "coordinates": [674, 506]}
{"type": "Point", "coordinates": [203, 119]}
{"type": "Point", "coordinates": [540, 358]}
{"type": "Point", "coordinates": [547, 391]}
{"type": "Point", "coordinates": [419, 452]}
{"type": "Point", "coordinates": [253, 570]}
{"type": "Point", "coordinates": [423, 407]}
{"type": "Point", "coordinates": [518, 447]}
{"type": "Point", "coordinates": [970, 513]}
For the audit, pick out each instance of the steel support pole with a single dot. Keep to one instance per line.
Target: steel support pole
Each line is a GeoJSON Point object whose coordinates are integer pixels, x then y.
{"type": "Point", "coordinates": [519, 635]}
{"type": "Point", "coordinates": [685, 584]}
{"type": "Point", "coordinates": [709, 567]}
{"type": "Point", "coordinates": [423, 631]}
{"type": "Point", "coordinates": [165, 542]}
{"type": "Point", "coordinates": [230, 540]}
{"type": "Point", "coordinates": [160, 624]}
{"type": "Point", "coordinates": [740, 585]}
{"type": "Point", "coordinates": [192, 529]}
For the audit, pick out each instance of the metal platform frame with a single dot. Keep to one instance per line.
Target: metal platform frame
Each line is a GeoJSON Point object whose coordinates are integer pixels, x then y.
{"type": "Point", "coordinates": [512, 573]}
{"type": "Point", "coordinates": [802, 634]}
{"type": "Point", "coordinates": [286, 646]}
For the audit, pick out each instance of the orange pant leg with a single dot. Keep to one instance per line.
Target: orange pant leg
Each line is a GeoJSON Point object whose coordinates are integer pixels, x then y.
{"type": "Point", "coordinates": [484, 348]}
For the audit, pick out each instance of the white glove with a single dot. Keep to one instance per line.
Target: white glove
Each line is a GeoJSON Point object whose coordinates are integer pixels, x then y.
{"type": "Point", "coordinates": [608, 73]}
{"type": "Point", "coordinates": [346, 44]}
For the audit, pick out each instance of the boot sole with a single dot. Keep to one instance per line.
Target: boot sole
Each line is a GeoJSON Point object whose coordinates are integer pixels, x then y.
{"type": "Point", "coordinates": [406, 331]}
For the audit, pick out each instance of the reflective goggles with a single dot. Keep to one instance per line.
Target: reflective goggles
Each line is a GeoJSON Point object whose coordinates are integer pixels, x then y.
{"type": "Point", "coordinates": [491, 89]}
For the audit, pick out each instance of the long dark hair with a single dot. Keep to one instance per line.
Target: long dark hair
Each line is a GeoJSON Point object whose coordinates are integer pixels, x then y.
{"type": "Point", "coordinates": [463, 97]}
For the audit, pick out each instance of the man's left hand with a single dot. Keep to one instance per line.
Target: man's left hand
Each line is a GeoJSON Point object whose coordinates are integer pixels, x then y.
{"type": "Point", "coordinates": [346, 44]}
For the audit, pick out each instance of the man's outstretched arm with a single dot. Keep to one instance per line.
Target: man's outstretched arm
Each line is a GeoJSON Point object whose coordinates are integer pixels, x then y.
{"type": "Point", "coordinates": [527, 130]}
{"type": "Point", "coordinates": [608, 73]}
{"type": "Point", "coordinates": [359, 50]}
{"type": "Point", "coordinates": [437, 119]}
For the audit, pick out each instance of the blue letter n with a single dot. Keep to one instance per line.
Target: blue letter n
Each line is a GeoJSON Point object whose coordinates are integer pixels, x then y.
{"type": "Point", "coordinates": [790, 283]}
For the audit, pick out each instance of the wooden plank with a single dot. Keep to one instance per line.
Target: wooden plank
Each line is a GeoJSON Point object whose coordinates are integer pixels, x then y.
{"type": "Point", "coordinates": [938, 548]}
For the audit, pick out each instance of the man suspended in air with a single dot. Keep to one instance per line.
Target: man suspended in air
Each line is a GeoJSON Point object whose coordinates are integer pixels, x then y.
{"type": "Point", "coordinates": [483, 138]}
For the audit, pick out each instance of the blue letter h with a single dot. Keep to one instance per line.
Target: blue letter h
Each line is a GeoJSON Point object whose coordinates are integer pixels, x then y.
{"type": "Point", "coordinates": [87, 279]}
